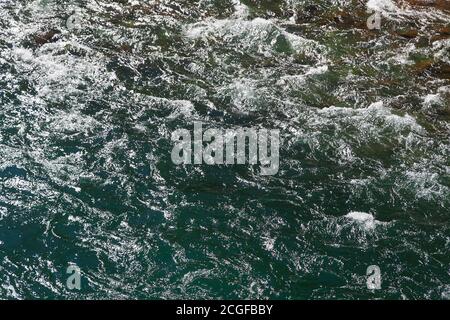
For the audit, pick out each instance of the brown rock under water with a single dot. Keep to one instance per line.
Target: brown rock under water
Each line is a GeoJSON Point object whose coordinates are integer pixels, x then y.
{"type": "Point", "coordinates": [445, 30]}
{"type": "Point", "coordinates": [441, 33]}
{"type": "Point", "coordinates": [441, 70]}
{"type": "Point", "coordinates": [423, 65]}
{"type": "Point", "coordinates": [439, 37]}
{"type": "Point", "coordinates": [438, 4]}
{"type": "Point", "coordinates": [409, 34]}
{"type": "Point", "coordinates": [348, 20]}
{"type": "Point", "coordinates": [46, 37]}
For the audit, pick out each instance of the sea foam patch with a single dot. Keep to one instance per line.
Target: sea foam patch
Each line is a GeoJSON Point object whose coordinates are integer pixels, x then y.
{"type": "Point", "coordinates": [365, 219]}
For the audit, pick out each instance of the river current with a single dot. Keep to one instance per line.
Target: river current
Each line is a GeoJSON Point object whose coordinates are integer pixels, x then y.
{"type": "Point", "coordinates": [91, 91]}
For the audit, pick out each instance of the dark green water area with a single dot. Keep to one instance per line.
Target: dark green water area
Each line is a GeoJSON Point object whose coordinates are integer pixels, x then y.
{"type": "Point", "coordinates": [88, 105]}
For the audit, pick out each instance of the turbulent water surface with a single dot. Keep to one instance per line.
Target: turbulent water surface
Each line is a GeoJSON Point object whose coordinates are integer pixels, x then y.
{"type": "Point", "coordinates": [88, 105]}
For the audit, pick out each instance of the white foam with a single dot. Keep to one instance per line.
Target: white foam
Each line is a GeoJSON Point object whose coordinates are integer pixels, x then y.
{"type": "Point", "coordinates": [360, 216]}
{"type": "Point", "coordinates": [269, 244]}
{"type": "Point", "coordinates": [446, 292]}
{"type": "Point", "coordinates": [432, 99]}
{"type": "Point", "coordinates": [258, 34]}
{"type": "Point", "coordinates": [298, 80]}
{"type": "Point", "coordinates": [240, 10]}
{"type": "Point", "coordinates": [181, 108]}
{"type": "Point", "coordinates": [365, 219]}
{"type": "Point", "coordinates": [3, 212]}
{"type": "Point", "coordinates": [10, 291]}
{"type": "Point", "coordinates": [426, 185]}
{"type": "Point", "coordinates": [390, 10]}
{"type": "Point", "coordinates": [243, 92]}
{"type": "Point", "coordinates": [381, 5]}
{"type": "Point", "coordinates": [317, 70]}
{"type": "Point", "coordinates": [367, 118]}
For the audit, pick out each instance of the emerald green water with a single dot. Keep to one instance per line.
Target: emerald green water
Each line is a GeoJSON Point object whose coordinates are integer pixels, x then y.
{"type": "Point", "coordinates": [86, 177]}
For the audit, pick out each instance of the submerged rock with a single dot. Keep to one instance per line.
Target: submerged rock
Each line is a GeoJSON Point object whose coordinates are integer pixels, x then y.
{"type": "Point", "coordinates": [349, 20]}
{"type": "Point", "coordinates": [268, 7]}
{"type": "Point", "coordinates": [423, 65]}
{"type": "Point", "coordinates": [308, 13]}
{"type": "Point", "coordinates": [441, 70]}
{"type": "Point", "coordinates": [436, 69]}
{"type": "Point", "coordinates": [438, 4]}
{"type": "Point", "coordinates": [441, 33]}
{"type": "Point", "coordinates": [47, 37]}
{"type": "Point", "coordinates": [445, 30]}
{"type": "Point", "coordinates": [408, 33]}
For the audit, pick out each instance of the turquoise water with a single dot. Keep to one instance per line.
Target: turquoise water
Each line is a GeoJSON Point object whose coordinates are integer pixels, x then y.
{"type": "Point", "coordinates": [87, 109]}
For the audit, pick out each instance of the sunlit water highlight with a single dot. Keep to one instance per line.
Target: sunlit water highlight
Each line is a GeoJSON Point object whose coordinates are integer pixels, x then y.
{"type": "Point", "coordinates": [86, 176]}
